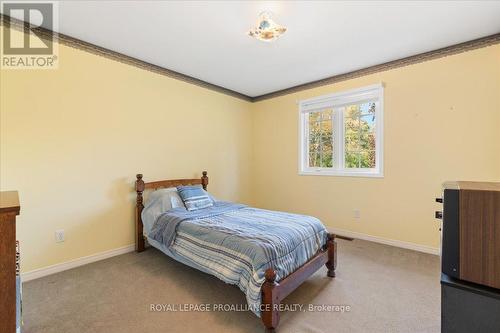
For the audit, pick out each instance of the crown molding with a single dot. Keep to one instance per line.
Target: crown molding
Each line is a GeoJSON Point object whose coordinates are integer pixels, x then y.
{"type": "Point", "coordinates": [63, 39]}
{"type": "Point", "coordinates": [411, 60]}
{"type": "Point", "coordinates": [107, 53]}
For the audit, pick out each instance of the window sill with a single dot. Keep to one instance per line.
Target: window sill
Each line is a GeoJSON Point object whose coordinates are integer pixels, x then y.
{"type": "Point", "coordinates": [338, 173]}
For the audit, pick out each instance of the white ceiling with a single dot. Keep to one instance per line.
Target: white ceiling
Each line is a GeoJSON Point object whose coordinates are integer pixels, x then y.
{"type": "Point", "coordinates": [207, 39]}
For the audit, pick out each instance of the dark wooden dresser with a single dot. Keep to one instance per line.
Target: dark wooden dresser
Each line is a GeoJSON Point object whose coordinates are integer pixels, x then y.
{"type": "Point", "coordinates": [471, 232]}
{"type": "Point", "coordinates": [470, 257]}
{"type": "Point", "coordinates": [9, 209]}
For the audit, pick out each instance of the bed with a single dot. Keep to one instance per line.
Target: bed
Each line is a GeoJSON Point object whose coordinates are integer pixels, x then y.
{"type": "Point", "coordinates": [267, 254]}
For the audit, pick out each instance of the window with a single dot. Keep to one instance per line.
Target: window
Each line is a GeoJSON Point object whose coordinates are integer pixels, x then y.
{"type": "Point", "coordinates": [341, 134]}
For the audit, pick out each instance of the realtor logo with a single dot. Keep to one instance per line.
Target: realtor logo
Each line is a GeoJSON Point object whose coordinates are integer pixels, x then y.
{"type": "Point", "coordinates": [29, 46]}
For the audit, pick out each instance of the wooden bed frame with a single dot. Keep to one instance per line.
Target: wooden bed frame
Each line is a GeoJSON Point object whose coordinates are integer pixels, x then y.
{"type": "Point", "coordinates": [272, 292]}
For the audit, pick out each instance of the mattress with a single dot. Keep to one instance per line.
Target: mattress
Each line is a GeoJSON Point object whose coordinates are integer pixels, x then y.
{"type": "Point", "coordinates": [237, 243]}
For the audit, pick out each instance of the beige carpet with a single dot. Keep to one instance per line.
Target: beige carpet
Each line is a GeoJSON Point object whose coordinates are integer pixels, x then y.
{"type": "Point", "coordinates": [388, 290]}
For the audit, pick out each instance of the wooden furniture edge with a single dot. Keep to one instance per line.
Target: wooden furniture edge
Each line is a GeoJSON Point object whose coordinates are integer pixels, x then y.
{"type": "Point", "coordinates": [141, 186]}
{"type": "Point", "coordinates": [273, 292]}
{"type": "Point", "coordinates": [9, 209]}
{"type": "Point", "coordinates": [9, 202]}
{"type": "Point", "coordinates": [479, 234]}
{"type": "Point", "coordinates": [473, 186]}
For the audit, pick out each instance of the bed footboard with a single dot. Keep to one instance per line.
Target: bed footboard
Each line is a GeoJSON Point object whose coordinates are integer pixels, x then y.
{"type": "Point", "coordinates": [331, 264]}
{"type": "Point", "coordinates": [270, 301]}
{"type": "Point", "coordinates": [139, 237]}
{"type": "Point", "coordinates": [273, 293]}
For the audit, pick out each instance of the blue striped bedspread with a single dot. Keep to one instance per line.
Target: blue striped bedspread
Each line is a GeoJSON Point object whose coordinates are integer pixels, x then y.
{"type": "Point", "coordinates": [237, 243]}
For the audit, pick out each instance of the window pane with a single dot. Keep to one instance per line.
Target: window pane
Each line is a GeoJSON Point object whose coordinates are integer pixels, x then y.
{"type": "Point", "coordinates": [314, 140]}
{"type": "Point", "coordinates": [327, 114]}
{"type": "Point", "coordinates": [352, 111]}
{"type": "Point", "coordinates": [327, 149]}
{"type": "Point", "coordinates": [367, 159]}
{"type": "Point", "coordinates": [368, 108]}
{"type": "Point", "coordinates": [314, 160]}
{"type": "Point", "coordinates": [327, 160]}
{"type": "Point", "coordinates": [350, 147]}
{"type": "Point", "coordinates": [359, 135]}
{"type": "Point", "coordinates": [351, 159]}
{"type": "Point", "coordinates": [314, 117]}
{"type": "Point", "coordinates": [320, 138]}
{"type": "Point", "coordinates": [351, 133]}
{"type": "Point", "coordinates": [367, 132]}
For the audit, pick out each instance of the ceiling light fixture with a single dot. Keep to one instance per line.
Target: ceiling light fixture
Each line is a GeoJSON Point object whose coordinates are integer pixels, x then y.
{"type": "Point", "coordinates": [266, 30]}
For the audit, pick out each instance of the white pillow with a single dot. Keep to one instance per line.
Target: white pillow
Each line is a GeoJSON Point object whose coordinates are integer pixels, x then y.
{"type": "Point", "coordinates": [168, 197]}
{"type": "Point", "coordinates": [158, 203]}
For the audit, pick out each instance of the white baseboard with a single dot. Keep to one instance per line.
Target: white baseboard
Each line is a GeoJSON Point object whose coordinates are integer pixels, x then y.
{"type": "Point", "coordinates": [41, 272]}
{"type": "Point", "coordinates": [392, 242]}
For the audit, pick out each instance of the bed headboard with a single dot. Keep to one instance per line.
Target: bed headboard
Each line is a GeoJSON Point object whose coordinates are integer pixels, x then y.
{"type": "Point", "coordinates": [141, 186]}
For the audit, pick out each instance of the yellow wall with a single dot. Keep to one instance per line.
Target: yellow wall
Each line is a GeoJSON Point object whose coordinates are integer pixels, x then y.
{"type": "Point", "coordinates": [442, 122]}
{"type": "Point", "coordinates": [72, 140]}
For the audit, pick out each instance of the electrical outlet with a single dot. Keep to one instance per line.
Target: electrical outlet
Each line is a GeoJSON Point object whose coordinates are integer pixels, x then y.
{"type": "Point", "coordinates": [356, 213]}
{"type": "Point", "coordinates": [59, 234]}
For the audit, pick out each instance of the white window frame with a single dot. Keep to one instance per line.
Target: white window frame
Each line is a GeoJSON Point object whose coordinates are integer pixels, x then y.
{"type": "Point", "coordinates": [337, 102]}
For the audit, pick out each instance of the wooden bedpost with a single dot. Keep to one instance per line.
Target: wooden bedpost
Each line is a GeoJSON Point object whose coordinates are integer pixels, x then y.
{"type": "Point", "coordinates": [139, 237]}
{"type": "Point", "coordinates": [204, 180]}
{"type": "Point", "coordinates": [331, 264]}
{"type": "Point", "coordinates": [270, 302]}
